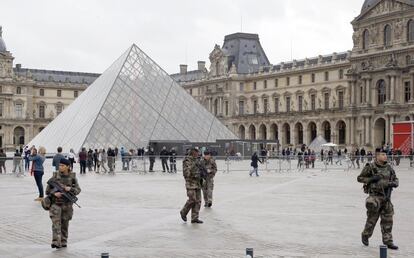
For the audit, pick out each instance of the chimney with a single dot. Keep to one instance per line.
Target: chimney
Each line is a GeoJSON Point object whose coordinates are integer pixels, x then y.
{"type": "Point", "coordinates": [183, 68]}
{"type": "Point", "coordinates": [18, 66]}
{"type": "Point", "coordinates": [201, 65]}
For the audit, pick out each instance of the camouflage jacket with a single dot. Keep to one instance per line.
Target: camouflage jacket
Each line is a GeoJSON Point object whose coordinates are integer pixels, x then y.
{"type": "Point", "coordinates": [386, 173]}
{"type": "Point", "coordinates": [64, 181]}
{"type": "Point", "coordinates": [191, 173]}
{"type": "Point", "coordinates": [211, 167]}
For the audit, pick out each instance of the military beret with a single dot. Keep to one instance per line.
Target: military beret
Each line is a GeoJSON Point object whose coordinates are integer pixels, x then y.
{"type": "Point", "coordinates": [207, 152]}
{"type": "Point", "coordinates": [194, 149]}
{"type": "Point", "coordinates": [379, 150]}
{"type": "Point", "coordinates": [65, 161]}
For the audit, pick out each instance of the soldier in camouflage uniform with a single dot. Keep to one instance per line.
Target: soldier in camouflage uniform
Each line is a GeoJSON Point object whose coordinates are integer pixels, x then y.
{"type": "Point", "coordinates": [379, 179]}
{"type": "Point", "coordinates": [61, 210]}
{"type": "Point", "coordinates": [210, 164]}
{"type": "Point", "coordinates": [193, 179]}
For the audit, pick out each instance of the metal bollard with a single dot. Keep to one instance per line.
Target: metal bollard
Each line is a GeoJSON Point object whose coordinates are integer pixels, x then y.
{"type": "Point", "coordinates": [249, 252]}
{"type": "Point", "coordinates": [383, 251]}
{"type": "Point", "coordinates": [105, 255]}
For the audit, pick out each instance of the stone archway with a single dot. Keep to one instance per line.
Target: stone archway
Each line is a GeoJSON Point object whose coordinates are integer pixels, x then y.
{"type": "Point", "coordinates": [274, 132]}
{"type": "Point", "coordinates": [242, 132]}
{"type": "Point", "coordinates": [252, 132]}
{"type": "Point", "coordinates": [18, 136]}
{"type": "Point", "coordinates": [326, 127]}
{"type": "Point", "coordinates": [299, 133]}
{"type": "Point", "coordinates": [312, 132]}
{"type": "Point", "coordinates": [286, 134]}
{"type": "Point", "coordinates": [263, 132]}
{"type": "Point", "coordinates": [379, 132]}
{"type": "Point", "coordinates": [341, 128]}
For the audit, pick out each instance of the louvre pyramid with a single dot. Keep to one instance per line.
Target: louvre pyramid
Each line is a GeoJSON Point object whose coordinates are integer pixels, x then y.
{"type": "Point", "coordinates": [133, 102]}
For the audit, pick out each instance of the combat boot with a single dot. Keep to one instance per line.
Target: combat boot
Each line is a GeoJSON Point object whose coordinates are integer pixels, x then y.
{"type": "Point", "coordinates": [183, 217]}
{"type": "Point", "coordinates": [54, 246]}
{"type": "Point", "coordinates": [365, 240]}
{"type": "Point", "coordinates": [392, 246]}
{"type": "Point", "coordinates": [210, 204]}
{"type": "Point", "coordinates": [197, 221]}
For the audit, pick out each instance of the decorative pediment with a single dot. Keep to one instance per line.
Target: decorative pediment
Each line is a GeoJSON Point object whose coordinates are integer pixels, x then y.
{"type": "Point", "coordinates": [216, 54]}
{"type": "Point", "coordinates": [312, 91]}
{"type": "Point", "coordinates": [385, 7]}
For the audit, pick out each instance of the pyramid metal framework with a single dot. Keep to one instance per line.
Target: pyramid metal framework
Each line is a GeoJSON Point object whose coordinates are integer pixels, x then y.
{"type": "Point", "coordinates": [132, 103]}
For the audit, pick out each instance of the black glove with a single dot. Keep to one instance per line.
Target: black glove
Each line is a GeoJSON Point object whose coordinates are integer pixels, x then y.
{"type": "Point", "coordinates": [392, 184]}
{"type": "Point", "coordinates": [375, 179]}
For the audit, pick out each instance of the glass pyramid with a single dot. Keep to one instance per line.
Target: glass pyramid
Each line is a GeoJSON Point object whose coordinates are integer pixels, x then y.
{"type": "Point", "coordinates": [132, 103]}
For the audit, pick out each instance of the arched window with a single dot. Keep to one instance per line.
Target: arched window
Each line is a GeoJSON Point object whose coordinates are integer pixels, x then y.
{"type": "Point", "coordinates": [387, 35]}
{"type": "Point", "coordinates": [410, 31]}
{"type": "Point", "coordinates": [18, 90]}
{"type": "Point", "coordinates": [381, 92]}
{"type": "Point", "coordinates": [42, 111]}
{"type": "Point", "coordinates": [365, 39]}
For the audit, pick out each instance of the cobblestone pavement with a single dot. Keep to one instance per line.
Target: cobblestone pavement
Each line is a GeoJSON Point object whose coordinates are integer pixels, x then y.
{"type": "Point", "coordinates": [295, 214]}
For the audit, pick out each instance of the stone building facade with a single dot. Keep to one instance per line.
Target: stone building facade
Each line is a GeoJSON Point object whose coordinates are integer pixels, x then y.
{"type": "Point", "coordinates": [31, 98]}
{"type": "Point", "coordinates": [349, 98]}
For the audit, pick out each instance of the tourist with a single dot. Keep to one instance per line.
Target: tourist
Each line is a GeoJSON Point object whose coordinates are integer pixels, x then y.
{"type": "Point", "coordinates": [339, 153]}
{"type": "Point", "coordinates": [300, 159]}
{"type": "Point", "coordinates": [173, 160]}
{"type": "Point", "coordinates": [322, 155]}
{"type": "Point", "coordinates": [164, 155]}
{"type": "Point", "coordinates": [254, 164]}
{"type": "Point", "coordinates": [26, 153]}
{"type": "Point", "coordinates": [57, 158]}
{"type": "Point", "coordinates": [90, 159]}
{"type": "Point", "coordinates": [17, 163]}
{"type": "Point", "coordinates": [357, 157]}
{"type": "Point", "coordinates": [38, 158]}
{"type": "Point", "coordinates": [111, 160]}
{"type": "Point", "coordinates": [83, 156]}
{"type": "Point", "coordinates": [95, 160]}
{"type": "Point", "coordinates": [3, 157]}
{"type": "Point", "coordinates": [369, 156]}
{"type": "Point", "coordinates": [103, 159]}
{"type": "Point", "coordinates": [330, 156]}
{"type": "Point", "coordinates": [71, 157]}
{"type": "Point", "coordinates": [363, 154]}
{"type": "Point", "coordinates": [313, 158]}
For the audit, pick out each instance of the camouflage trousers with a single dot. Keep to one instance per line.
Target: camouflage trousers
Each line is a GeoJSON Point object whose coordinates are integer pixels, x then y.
{"type": "Point", "coordinates": [208, 190]}
{"type": "Point", "coordinates": [60, 216]}
{"type": "Point", "coordinates": [378, 207]}
{"type": "Point", "coordinates": [193, 203]}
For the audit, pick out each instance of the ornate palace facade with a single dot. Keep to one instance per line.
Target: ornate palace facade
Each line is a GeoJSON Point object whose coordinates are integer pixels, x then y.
{"type": "Point", "coordinates": [349, 98]}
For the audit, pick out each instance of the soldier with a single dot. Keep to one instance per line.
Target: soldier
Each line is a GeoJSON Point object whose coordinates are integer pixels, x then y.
{"type": "Point", "coordinates": [210, 164]}
{"type": "Point", "coordinates": [61, 210]}
{"type": "Point", "coordinates": [193, 185]}
{"type": "Point", "coordinates": [379, 179]}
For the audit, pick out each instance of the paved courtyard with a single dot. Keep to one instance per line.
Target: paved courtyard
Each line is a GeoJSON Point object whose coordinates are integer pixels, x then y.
{"type": "Point", "coordinates": [288, 214]}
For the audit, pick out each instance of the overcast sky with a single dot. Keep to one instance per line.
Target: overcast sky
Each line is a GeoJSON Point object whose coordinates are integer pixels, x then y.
{"type": "Point", "coordinates": [88, 35]}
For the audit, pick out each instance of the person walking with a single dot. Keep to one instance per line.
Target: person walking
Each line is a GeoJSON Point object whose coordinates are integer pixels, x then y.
{"type": "Point", "coordinates": [111, 160]}
{"type": "Point", "coordinates": [211, 168]}
{"type": "Point", "coordinates": [17, 163]}
{"type": "Point", "coordinates": [71, 158]}
{"type": "Point", "coordinates": [3, 158]}
{"type": "Point", "coordinates": [90, 159]}
{"type": "Point", "coordinates": [379, 179]}
{"type": "Point", "coordinates": [103, 157]}
{"type": "Point", "coordinates": [61, 209]}
{"type": "Point", "coordinates": [83, 156]}
{"type": "Point", "coordinates": [26, 153]}
{"type": "Point", "coordinates": [164, 158]}
{"type": "Point", "coordinates": [151, 155]}
{"type": "Point", "coordinates": [38, 158]}
{"type": "Point", "coordinates": [254, 164]}
{"type": "Point", "coordinates": [192, 178]}
{"type": "Point", "coordinates": [173, 160]}
{"type": "Point", "coordinates": [95, 160]}
{"type": "Point", "coordinates": [57, 158]}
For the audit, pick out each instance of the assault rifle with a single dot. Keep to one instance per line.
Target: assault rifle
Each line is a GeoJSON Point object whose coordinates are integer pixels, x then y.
{"type": "Point", "coordinates": [68, 195]}
{"type": "Point", "coordinates": [388, 192]}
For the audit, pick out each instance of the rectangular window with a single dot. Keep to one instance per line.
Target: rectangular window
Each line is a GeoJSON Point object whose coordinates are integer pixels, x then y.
{"type": "Point", "coordinates": [341, 74]}
{"type": "Point", "coordinates": [313, 102]}
{"type": "Point", "coordinates": [313, 77]}
{"type": "Point", "coordinates": [326, 96]}
{"type": "Point", "coordinates": [276, 83]}
{"type": "Point", "coordinates": [18, 90]}
{"type": "Point", "coordinates": [287, 104]}
{"type": "Point", "coordinates": [341, 100]}
{"type": "Point", "coordinates": [265, 84]}
{"type": "Point", "coordinates": [300, 79]}
{"type": "Point", "coordinates": [287, 81]}
{"type": "Point", "coordinates": [241, 108]}
{"type": "Point", "coordinates": [254, 85]}
{"type": "Point", "coordinates": [254, 106]}
{"type": "Point", "coordinates": [191, 92]}
{"type": "Point", "coordinates": [265, 107]}
{"type": "Point", "coordinates": [407, 91]}
{"type": "Point", "coordinates": [276, 105]}
{"type": "Point", "coordinates": [75, 94]}
{"type": "Point", "coordinates": [41, 92]}
{"type": "Point", "coordinates": [59, 109]}
{"type": "Point", "coordinates": [326, 76]}
{"type": "Point", "coordinates": [1, 89]}
{"type": "Point", "coordinates": [18, 109]}
{"type": "Point", "coordinates": [41, 111]}
{"type": "Point", "coordinates": [1, 109]}
{"type": "Point", "coordinates": [361, 94]}
{"type": "Point", "coordinates": [300, 104]}
{"type": "Point", "coordinates": [59, 93]}
{"type": "Point", "coordinates": [241, 87]}
{"type": "Point", "coordinates": [226, 108]}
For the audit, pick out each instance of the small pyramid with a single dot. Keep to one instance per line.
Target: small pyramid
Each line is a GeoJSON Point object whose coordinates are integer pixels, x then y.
{"type": "Point", "coordinates": [132, 103]}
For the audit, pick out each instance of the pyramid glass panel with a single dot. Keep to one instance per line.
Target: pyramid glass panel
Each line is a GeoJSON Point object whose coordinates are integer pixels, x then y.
{"type": "Point", "coordinates": [132, 103]}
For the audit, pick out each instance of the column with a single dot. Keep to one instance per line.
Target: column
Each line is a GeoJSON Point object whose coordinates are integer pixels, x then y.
{"type": "Point", "coordinates": [350, 92]}
{"type": "Point", "coordinates": [392, 120]}
{"type": "Point", "coordinates": [387, 129]}
{"type": "Point", "coordinates": [305, 134]}
{"type": "Point", "coordinates": [367, 130]}
{"type": "Point", "coordinates": [368, 92]}
{"type": "Point", "coordinates": [221, 106]}
{"type": "Point", "coordinates": [209, 105]}
{"type": "Point", "coordinates": [364, 91]}
{"type": "Point", "coordinates": [352, 124]}
{"type": "Point", "coordinates": [292, 134]}
{"type": "Point", "coordinates": [280, 134]}
{"type": "Point", "coordinates": [392, 89]}
{"type": "Point", "coordinates": [355, 90]}
{"type": "Point", "coordinates": [412, 87]}
{"type": "Point", "coordinates": [348, 131]}
{"type": "Point", "coordinates": [364, 129]}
